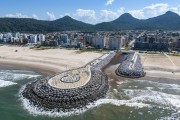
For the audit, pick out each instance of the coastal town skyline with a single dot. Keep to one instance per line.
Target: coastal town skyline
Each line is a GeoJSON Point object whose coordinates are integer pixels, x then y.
{"type": "Point", "coordinates": [92, 12]}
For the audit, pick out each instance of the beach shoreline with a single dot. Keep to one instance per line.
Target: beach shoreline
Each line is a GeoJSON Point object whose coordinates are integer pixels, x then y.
{"type": "Point", "coordinates": [29, 66]}
{"type": "Point", "coordinates": [57, 60]}
{"type": "Point", "coordinates": [51, 60]}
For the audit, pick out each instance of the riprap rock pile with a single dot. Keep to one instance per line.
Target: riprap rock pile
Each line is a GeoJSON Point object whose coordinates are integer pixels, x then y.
{"type": "Point", "coordinates": [45, 96]}
{"type": "Point", "coordinates": [131, 67]}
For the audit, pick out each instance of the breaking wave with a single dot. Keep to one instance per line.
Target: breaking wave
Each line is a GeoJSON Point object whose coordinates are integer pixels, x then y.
{"type": "Point", "coordinates": [148, 97]}
{"type": "Point", "coordinates": [14, 75]}
{"type": "Point", "coordinates": [4, 83]}
{"type": "Point", "coordinates": [53, 113]}
{"type": "Point", "coordinates": [9, 77]}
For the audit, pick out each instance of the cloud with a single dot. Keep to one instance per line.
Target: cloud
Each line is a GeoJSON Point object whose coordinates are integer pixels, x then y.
{"type": "Point", "coordinates": [35, 16]}
{"type": "Point", "coordinates": [108, 15]}
{"type": "Point", "coordinates": [88, 16]}
{"type": "Point", "coordinates": [16, 15]}
{"type": "Point", "coordinates": [87, 13]}
{"type": "Point", "coordinates": [154, 10]}
{"type": "Point", "coordinates": [51, 16]}
{"type": "Point", "coordinates": [137, 13]}
{"type": "Point", "coordinates": [109, 2]}
{"type": "Point", "coordinates": [20, 15]}
{"type": "Point", "coordinates": [105, 15]}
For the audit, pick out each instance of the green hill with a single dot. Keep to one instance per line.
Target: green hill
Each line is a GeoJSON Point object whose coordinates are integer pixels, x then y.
{"type": "Point", "coordinates": [167, 21]}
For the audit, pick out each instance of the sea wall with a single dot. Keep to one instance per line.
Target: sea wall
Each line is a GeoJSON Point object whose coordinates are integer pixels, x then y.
{"type": "Point", "coordinates": [41, 94]}
{"type": "Point", "coordinates": [131, 67]}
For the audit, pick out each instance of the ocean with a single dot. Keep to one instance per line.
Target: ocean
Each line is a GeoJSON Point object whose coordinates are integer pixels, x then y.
{"type": "Point", "coordinates": [127, 99]}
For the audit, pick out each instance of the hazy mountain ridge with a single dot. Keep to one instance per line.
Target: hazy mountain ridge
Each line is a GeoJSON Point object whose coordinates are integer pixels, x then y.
{"type": "Point", "coordinates": [167, 21]}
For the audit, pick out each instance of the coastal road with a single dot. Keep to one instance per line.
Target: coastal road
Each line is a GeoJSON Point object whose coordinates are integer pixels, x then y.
{"type": "Point", "coordinates": [133, 41]}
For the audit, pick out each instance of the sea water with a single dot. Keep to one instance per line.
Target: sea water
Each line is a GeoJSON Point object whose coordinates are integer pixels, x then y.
{"type": "Point", "coordinates": [126, 100]}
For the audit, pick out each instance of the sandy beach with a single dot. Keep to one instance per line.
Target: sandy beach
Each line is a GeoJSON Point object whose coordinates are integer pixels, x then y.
{"type": "Point", "coordinates": [161, 66]}
{"type": "Point", "coordinates": [52, 60]}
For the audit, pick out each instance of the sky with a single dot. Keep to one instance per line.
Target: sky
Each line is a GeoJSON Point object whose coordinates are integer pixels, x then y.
{"type": "Point", "coordinates": [89, 11]}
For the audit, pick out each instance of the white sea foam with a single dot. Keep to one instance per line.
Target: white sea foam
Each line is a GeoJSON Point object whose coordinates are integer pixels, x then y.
{"type": "Point", "coordinates": [150, 85]}
{"type": "Point", "coordinates": [13, 75]}
{"type": "Point", "coordinates": [123, 82]}
{"type": "Point", "coordinates": [138, 98]}
{"type": "Point", "coordinates": [115, 90]}
{"type": "Point", "coordinates": [4, 83]}
{"type": "Point", "coordinates": [22, 76]}
{"type": "Point", "coordinates": [149, 88]}
{"type": "Point", "coordinates": [174, 116]}
{"type": "Point", "coordinates": [158, 98]}
{"type": "Point", "coordinates": [37, 111]}
{"type": "Point", "coordinates": [163, 85]}
{"type": "Point", "coordinates": [53, 113]}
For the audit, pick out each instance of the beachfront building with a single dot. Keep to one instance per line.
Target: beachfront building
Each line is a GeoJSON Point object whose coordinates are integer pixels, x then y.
{"type": "Point", "coordinates": [115, 42]}
{"type": "Point", "coordinates": [106, 42]}
{"type": "Point", "coordinates": [63, 39]}
{"type": "Point", "coordinates": [75, 39]}
{"type": "Point", "coordinates": [178, 45]}
{"type": "Point", "coordinates": [17, 35]}
{"type": "Point", "coordinates": [151, 42]}
{"type": "Point", "coordinates": [7, 37]}
{"type": "Point", "coordinates": [1, 36]}
{"type": "Point", "coordinates": [32, 39]}
{"type": "Point", "coordinates": [73, 42]}
{"type": "Point", "coordinates": [88, 39]}
{"type": "Point", "coordinates": [41, 38]}
{"type": "Point", "coordinates": [98, 42]}
{"type": "Point", "coordinates": [124, 41]}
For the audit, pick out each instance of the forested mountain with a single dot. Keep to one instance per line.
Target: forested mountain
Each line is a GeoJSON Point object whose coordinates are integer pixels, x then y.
{"type": "Point", "coordinates": [167, 21]}
{"type": "Point", "coordinates": [124, 22]}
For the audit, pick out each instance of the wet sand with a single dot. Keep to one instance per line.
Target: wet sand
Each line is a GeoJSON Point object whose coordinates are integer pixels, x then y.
{"type": "Point", "coordinates": [110, 69]}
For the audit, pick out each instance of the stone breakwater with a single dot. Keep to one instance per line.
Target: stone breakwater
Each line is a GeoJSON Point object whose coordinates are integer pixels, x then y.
{"type": "Point", "coordinates": [131, 67]}
{"type": "Point", "coordinates": [46, 96]}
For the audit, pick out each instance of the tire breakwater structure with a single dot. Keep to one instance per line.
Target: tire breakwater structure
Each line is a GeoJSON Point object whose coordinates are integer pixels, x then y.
{"type": "Point", "coordinates": [70, 89]}
{"type": "Point", "coordinates": [131, 67]}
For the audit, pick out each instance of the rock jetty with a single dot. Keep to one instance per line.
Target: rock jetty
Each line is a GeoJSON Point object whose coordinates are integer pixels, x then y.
{"type": "Point", "coordinates": [131, 67]}
{"type": "Point", "coordinates": [43, 94]}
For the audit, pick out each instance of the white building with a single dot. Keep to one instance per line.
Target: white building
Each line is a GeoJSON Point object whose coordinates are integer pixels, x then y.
{"type": "Point", "coordinates": [41, 38]}
{"type": "Point", "coordinates": [17, 35]}
{"type": "Point", "coordinates": [123, 42]}
{"type": "Point", "coordinates": [88, 39]}
{"type": "Point", "coordinates": [115, 42]}
{"type": "Point", "coordinates": [98, 42]}
{"type": "Point", "coordinates": [7, 37]}
{"type": "Point", "coordinates": [33, 39]}
{"type": "Point", "coordinates": [1, 36]}
{"type": "Point", "coordinates": [106, 42]}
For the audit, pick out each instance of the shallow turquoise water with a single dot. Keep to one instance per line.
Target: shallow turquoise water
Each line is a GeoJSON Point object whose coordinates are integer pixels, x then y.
{"type": "Point", "coordinates": [126, 100]}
